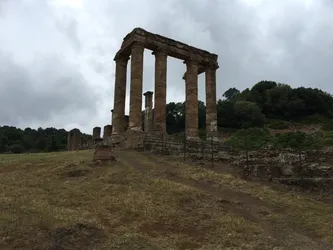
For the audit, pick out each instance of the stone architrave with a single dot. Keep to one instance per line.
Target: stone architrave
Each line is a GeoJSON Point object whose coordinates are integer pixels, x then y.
{"type": "Point", "coordinates": [148, 121]}
{"type": "Point", "coordinates": [160, 89]}
{"type": "Point", "coordinates": [211, 107]}
{"type": "Point", "coordinates": [191, 105]}
{"type": "Point", "coordinates": [135, 122]}
{"type": "Point", "coordinates": [119, 94]}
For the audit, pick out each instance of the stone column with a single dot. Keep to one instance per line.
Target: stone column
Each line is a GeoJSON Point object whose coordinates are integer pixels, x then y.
{"type": "Point", "coordinates": [96, 133]}
{"type": "Point", "coordinates": [135, 122]}
{"type": "Point", "coordinates": [70, 141]}
{"type": "Point", "coordinates": [148, 122]}
{"type": "Point", "coordinates": [191, 106]}
{"type": "Point", "coordinates": [211, 107]}
{"type": "Point", "coordinates": [76, 139]}
{"type": "Point", "coordinates": [119, 95]}
{"type": "Point", "coordinates": [107, 131]}
{"type": "Point", "coordinates": [112, 116]}
{"type": "Point", "coordinates": [160, 89]}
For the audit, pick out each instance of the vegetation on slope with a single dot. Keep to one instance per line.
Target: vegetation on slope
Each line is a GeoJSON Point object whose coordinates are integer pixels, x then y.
{"type": "Point", "coordinates": [266, 104]}
{"type": "Point", "coordinates": [30, 140]}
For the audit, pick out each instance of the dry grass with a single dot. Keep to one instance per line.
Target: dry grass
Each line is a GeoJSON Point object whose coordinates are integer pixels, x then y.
{"type": "Point", "coordinates": [63, 201]}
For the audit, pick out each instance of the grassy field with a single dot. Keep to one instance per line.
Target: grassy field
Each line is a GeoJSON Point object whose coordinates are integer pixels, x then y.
{"type": "Point", "coordinates": [145, 201]}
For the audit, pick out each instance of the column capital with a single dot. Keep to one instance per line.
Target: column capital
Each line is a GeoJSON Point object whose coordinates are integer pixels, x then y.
{"type": "Point", "coordinates": [139, 45]}
{"type": "Point", "coordinates": [161, 50]}
{"type": "Point", "coordinates": [148, 93]}
{"type": "Point", "coordinates": [120, 58]}
{"type": "Point", "coordinates": [213, 65]}
{"type": "Point", "coordinates": [192, 59]}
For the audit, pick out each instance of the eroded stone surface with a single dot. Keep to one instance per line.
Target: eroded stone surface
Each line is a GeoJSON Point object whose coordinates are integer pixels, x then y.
{"type": "Point", "coordinates": [211, 108]}
{"type": "Point", "coordinates": [148, 122]}
{"type": "Point", "coordinates": [74, 141]}
{"type": "Point", "coordinates": [160, 89]}
{"type": "Point", "coordinates": [136, 86]}
{"type": "Point", "coordinates": [119, 95]}
{"type": "Point", "coordinates": [107, 131]}
{"type": "Point", "coordinates": [191, 88]}
{"type": "Point", "coordinates": [96, 133]}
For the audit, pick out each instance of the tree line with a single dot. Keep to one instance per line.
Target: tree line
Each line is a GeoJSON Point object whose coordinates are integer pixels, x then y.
{"type": "Point", "coordinates": [257, 107]}
{"type": "Point", "coordinates": [16, 140]}
{"type": "Point", "coordinates": [266, 102]}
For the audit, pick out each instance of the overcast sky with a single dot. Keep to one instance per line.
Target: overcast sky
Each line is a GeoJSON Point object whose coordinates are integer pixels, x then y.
{"type": "Point", "coordinates": [56, 56]}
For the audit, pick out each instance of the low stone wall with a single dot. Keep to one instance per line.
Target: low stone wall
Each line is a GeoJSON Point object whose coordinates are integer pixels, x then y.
{"type": "Point", "coordinates": [313, 169]}
{"type": "Point", "coordinates": [285, 166]}
{"type": "Point", "coordinates": [168, 144]}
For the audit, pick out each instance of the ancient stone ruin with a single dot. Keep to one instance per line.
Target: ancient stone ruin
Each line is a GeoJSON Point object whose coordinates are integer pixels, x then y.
{"type": "Point", "coordinates": [74, 140]}
{"type": "Point", "coordinates": [197, 61]}
{"type": "Point", "coordinates": [103, 148]}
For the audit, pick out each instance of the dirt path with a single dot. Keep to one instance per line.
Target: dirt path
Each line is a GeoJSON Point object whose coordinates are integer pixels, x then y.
{"type": "Point", "coordinates": [249, 207]}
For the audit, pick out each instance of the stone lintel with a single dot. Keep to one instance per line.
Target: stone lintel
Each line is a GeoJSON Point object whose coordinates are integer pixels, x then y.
{"type": "Point", "coordinates": [175, 49]}
{"type": "Point", "coordinates": [203, 67]}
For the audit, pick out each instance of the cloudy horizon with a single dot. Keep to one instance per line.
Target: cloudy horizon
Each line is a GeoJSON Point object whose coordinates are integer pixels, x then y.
{"type": "Point", "coordinates": [56, 56]}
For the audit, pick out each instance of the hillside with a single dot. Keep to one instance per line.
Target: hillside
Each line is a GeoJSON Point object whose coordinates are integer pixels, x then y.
{"type": "Point", "coordinates": [267, 105]}
{"type": "Point", "coordinates": [63, 201]}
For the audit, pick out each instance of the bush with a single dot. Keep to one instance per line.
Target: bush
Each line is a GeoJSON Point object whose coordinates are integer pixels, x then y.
{"type": "Point", "coordinates": [328, 126]}
{"type": "Point", "coordinates": [252, 138]}
{"type": "Point", "coordinates": [17, 149]}
{"type": "Point", "coordinates": [278, 125]}
{"type": "Point", "coordinates": [297, 140]}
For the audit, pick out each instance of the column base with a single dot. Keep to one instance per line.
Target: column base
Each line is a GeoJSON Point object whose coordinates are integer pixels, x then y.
{"type": "Point", "coordinates": [134, 137]}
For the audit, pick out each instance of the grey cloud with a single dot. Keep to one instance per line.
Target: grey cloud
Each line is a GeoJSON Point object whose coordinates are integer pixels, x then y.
{"type": "Point", "coordinates": [69, 27]}
{"type": "Point", "coordinates": [37, 95]}
{"type": "Point", "coordinates": [284, 41]}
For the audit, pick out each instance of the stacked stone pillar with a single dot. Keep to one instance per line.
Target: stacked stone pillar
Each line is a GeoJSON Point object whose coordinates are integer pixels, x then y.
{"type": "Point", "coordinates": [135, 122]}
{"type": "Point", "coordinates": [160, 89]}
{"type": "Point", "coordinates": [191, 104]}
{"type": "Point", "coordinates": [211, 108]}
{"type": "Point", "coordinates": [119, 94]}
{"type": "Point", "coordinates": [96, 134]}
{"type": "Point", "coordinates": [107, 131]}
{"type": "Point", "coordinates": [148, 121]}
{"type": "Point", "coordinates": [76, 142]}
{"type": "Point", "coordinates": [70, 141]}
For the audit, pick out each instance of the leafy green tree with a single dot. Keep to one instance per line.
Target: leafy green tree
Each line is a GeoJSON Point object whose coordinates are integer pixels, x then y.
{"type": "Point", "coordinates": [231, 93]}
